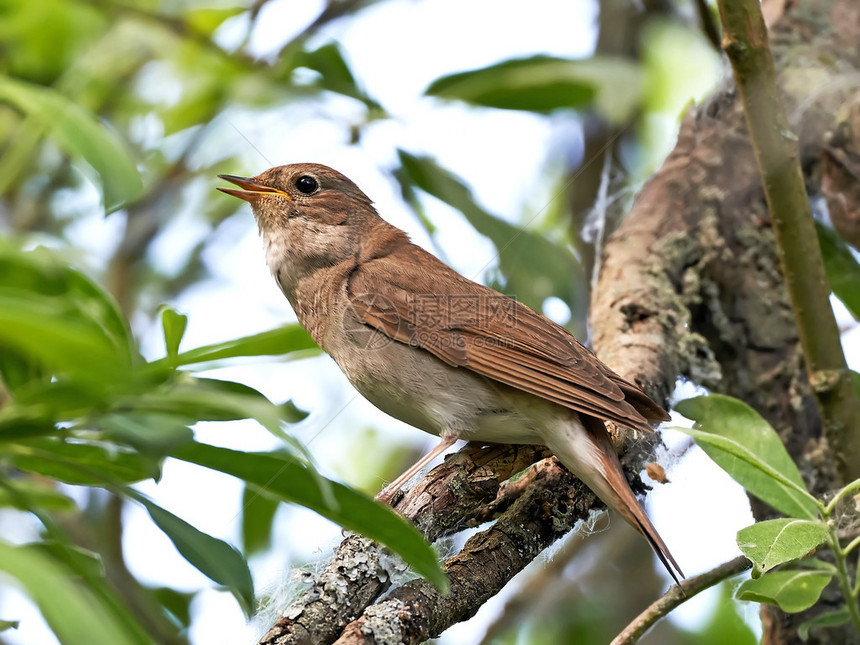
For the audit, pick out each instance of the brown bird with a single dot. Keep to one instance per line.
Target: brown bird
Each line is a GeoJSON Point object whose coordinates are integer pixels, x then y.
{"type": "Point", "coordinates": [434, 349]}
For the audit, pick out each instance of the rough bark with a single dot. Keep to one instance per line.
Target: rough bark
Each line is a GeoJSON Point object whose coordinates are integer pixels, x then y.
{"type": "Point", "coordinates": [452, 496]}
{"type": "Point", "coordinates": [840, 172]}
{"type": "Point", "coordinates": [695, 270]}
{"type": "Point", "coordinates": [415, 611]}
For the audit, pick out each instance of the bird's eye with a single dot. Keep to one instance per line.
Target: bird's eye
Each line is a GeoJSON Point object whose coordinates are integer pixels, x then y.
{"type": "Point", "coordinates": [306, 184]}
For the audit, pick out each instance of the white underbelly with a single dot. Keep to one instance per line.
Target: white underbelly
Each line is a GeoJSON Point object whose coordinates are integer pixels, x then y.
{"type": "Point", "coordinates": [437, 398]}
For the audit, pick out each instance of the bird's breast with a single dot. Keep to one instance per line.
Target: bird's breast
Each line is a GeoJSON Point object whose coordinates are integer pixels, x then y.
{"type": "Point", "coordinates": [407, 382]}
{"type": "Point", "coordinates": [414, 386]}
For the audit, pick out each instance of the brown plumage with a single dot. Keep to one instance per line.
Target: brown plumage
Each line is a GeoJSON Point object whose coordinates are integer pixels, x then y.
{"type": "Point", "coordinates": [435, 349]}
{"type": "Point", "coordinates": [517, 346]}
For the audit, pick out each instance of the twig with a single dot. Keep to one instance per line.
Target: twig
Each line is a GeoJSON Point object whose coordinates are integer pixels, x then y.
{"type": "Point", "coordinates": [776, 151]}
{"type": "Point", "coordinates": [177, 25]}
{"type": "Point", "coordinates": [842, 575]}
{"type": "Point", "coordinates": [677, 596]}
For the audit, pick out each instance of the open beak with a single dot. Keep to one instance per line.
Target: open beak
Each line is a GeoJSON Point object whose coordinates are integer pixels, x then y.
{"type": "Point", "coordinates": [253, 191]}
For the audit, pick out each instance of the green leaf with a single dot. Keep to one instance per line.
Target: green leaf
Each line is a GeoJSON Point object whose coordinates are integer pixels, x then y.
{"type": "Point", "coordinates": [87, 567]}
{"type": "Point", "coordinates": [827, 619]}
{"type": "Point", "coordinates": [18, 422]}
{"type": "Point", "coordinates": [48, 273]}
{"type": "Point", "coordinates": [53, 317]}
{"type": "Point", "coordinates": [213, 557]}
{"type": "Point", "coordinates": [283, 340]}
{"type": "Point", "coordinates": [843, 270]}
{"type": "Point", "coordinates": [43, 38]}
{"type": "Point", "coordinates": [81, 463]}
{"type": "Point", "coordinates": [286, 480]}
{"type": "Point", "coordinates": [176, 603]}
{"type": "Point", "coordinates": [84, 563]}
{"type": "Point", "coordinates": [231, 390]}
{"type": "Point", "coordinates": [16, 368]}
{"type": "Point", "coordinates": [151, 433]}
{"type": "Point", "coordinates": [42, 403]}
{"type": "Point", "coordinates": [334, 72]}
{"type": "Point", "coordinates": [191, 399]}
{"type": "Point", "coordinates": [174, 325]}
{"type": "Point", "coordinates": [258, 515]}
{"type": "Point", "coordinates": [792, 591]}
{"type": "Point", "coordinates": [747, 448]}
{"type": "Point", "coordinates": [79, 133]}
{"type": "Point", "coordinates": [25, 494]}
{"type": "Point", "coordinates": [756, 476]}
{"type": "Point", "coordinates": [42, 328]}
{"type": "Point", "coordinates": [820, 565]}
{"type": "Point", "coordinates": [775, 542]}
{"type": "Point", "coordinates": [535, 267]}
{"type": "Point", "coordinates": [9, 624]}
{"type": "Point", "coordinates": [543, 83]}
{"type": "Point", "coordinates": [73, 612]}
{"type": "Point", "coordinates": [201, 399]}
{"type": "Point", "coordinates": [205, 21]}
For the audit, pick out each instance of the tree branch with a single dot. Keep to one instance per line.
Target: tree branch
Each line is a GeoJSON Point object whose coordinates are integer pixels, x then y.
{"type": "Point", "coordinates": [416, 611]}
{"type": "Point", "coordinates": [445, 501]}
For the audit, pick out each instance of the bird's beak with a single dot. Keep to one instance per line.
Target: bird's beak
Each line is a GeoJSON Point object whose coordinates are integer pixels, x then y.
{"type": "Point", "coordinates": [253, 191]}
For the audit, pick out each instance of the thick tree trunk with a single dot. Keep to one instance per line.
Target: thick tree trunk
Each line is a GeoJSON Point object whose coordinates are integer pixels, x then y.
{"type": "Point", "coordinates": [723, 318]}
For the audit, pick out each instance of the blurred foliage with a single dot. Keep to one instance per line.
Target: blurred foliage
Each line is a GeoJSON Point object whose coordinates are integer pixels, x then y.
{"type": "Point", "coordinates": [725, 624]}
{"type": "Point", "coordinates": [83, 407]}
{"type": "Point", "coordinates": [593, 619]}
{"type": "Point", "coordinates": [75, 612]}
{"type": "Point", "coordinates": [533, 267]}
{"type": "Point", "coordinates": [117, 107]}
{"type": "Point", "coordinates": [544, 84]}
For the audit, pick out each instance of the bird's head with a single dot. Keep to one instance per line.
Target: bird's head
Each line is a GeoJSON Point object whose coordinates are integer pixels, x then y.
{"type": "Point", "coordinates": [310, 216]}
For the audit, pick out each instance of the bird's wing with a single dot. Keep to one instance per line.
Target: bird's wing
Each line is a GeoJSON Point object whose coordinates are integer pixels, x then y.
{"type": "Point", "coordinates": [473, 327]}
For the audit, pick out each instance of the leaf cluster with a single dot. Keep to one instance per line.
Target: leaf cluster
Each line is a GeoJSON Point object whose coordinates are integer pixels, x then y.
{"type": "Point", "coordinates": [82, 407]}
{"type": "Point", "coordinates": [786, 570]}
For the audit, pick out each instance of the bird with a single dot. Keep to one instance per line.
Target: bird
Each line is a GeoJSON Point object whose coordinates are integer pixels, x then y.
{"type": "Point", "coordinates": [436, 350]}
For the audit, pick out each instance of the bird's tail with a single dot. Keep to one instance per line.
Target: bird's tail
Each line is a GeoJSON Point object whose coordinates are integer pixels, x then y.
{"type": "Point", "coordinates": [583, 445]}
